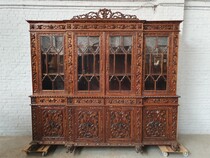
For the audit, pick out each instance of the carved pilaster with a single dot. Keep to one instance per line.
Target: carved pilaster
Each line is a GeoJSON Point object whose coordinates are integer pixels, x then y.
{"type": "Point", "coordinates": [174, 123]}
{"type": "Point", "coordinates": [69, 64]}
{"type": "Point", "coordinates": [173, 64]}
{"type": "Point", "coordinates": [34, 62]}
{"type": "Point", "coordinates": [139, 63]}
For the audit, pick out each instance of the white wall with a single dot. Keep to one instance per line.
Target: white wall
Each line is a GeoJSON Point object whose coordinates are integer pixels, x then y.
{"type": "Point", "coordinates": [194, 69]}
{"type": "Point", "coordinates": [15, 69]}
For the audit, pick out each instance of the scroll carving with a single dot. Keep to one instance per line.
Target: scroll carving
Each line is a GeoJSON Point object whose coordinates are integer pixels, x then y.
{"type": "Point", "coordinates": [173, 64]}
{"type": "Point", "coordinates": [70, 124]}
{"type": "Point", "coordinates": [106, 26]}
{"type": "Point", "coordinates": [51, 100]}
{"type": "Point", "coordinates": [104, 14]}
{"type": "Point", "coordinates": [158, 27]}
{"type": "Point", "coordinates": [34, 123]}
{"type": "Point", "coordinates": [174, 123]}
{"type": "Point", "coordinates": [121, 101]}
{"type": "Point", "coordinates": [88, 124]}
{"type": "Point", "coordinates": [52, 123]}
{"type": "Point", "coordinates": [88, 101]}
{"type": "Point", "coordinates": [70, 61]}
{"type": "Point", "coordinates": [120, 124]}
{"type": "Point", "coordinates": [138, 123]}
{"type": "Point", "coordinates": [47, 27]}
{"type": "Point", "coordinates": [161, 101]}
{"type": "Point", "coordinates": [139, 63]}
{"type": "Point", "coordinates": [155, 123]}
{"type": "Point", "coordinates": [34, 62]}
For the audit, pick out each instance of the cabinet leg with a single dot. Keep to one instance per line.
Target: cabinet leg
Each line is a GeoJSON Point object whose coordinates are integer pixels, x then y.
{"type": "Point", "coordinates": [70, 148]}
{"type": "Point", "coordinates": [139, 148]}
{"type": "Point", "coordinates": [175, 146]}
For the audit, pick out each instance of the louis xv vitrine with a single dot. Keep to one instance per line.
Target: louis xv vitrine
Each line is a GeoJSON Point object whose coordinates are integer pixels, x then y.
{"type": "Point", "coordinates": [104, 79]}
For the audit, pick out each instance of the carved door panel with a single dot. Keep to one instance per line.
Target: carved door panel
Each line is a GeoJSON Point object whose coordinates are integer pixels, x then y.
{"type": "Point", "coordinates": [159, 123]}
{"type": "Point", "coordinates": [88, 124]}
{"type": "Point", "coordinates": [48, 123]}
{"type": "Point", "coordinates": [119, 124]}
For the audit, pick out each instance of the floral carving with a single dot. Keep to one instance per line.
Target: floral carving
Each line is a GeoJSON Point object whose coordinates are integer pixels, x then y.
{"type": "Point", "coordinates": [130, 26]}
{"type": "Point", "coordinates": [51, 100]}
{"type": "Point", "coordinates": [121, 101]}
{"type": "Point", "coordinates": [158, 27]}
{"type": "Point", "coordinates": [34, 62]}
{"type": "Point", "coordinates": [47, 27]}
{"type": "Point", "coordinates": [138, 122]}
{"type": "Point", "coordinates": [88, 124]}
{"type": "Point", "coordinates": [104, 14]}
{"type": "Point", "coordinates": [173, 64]}
{"type": "Point", "coordinates": [70, 124]}
{"type": "Point", "coordinates": [174, 123]}
{"type": "Point", "coordinates": [139, 63]}
{"type": "Point", "coordinates": [69, 60]}
{"type": "Point", "coordinates": [34, 123]}
{"type": "Point", "coordinates": [161, 101]}
{"type": "Point", "coordinates": [52, 122]}
{"type": "Point", "coordinates": [155, 122]}
{"type": "Point", "coordinates": [88, 101]}
{"type": "Point", "coordinates": [120, 124]}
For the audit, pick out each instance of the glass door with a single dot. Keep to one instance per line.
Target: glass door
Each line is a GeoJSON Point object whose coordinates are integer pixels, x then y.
{"type": "Point", "coordinates": [156, 63]}
{"type": "Point", "coordinates": [119, 60]}
{"type": "Point", "coordinates": [88, 57]}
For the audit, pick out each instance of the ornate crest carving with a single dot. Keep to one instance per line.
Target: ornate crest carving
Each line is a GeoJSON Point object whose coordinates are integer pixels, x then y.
{"type": "Point", "coordinates": [104, 14]}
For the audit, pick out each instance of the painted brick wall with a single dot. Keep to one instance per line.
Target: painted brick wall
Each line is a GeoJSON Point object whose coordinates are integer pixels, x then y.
{"type": "Point", "coordinates": [15, 69]}
{"type": "Point", "coordinates": [194, 69]}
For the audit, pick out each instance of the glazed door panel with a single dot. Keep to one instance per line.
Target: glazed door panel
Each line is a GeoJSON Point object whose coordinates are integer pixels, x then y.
{"type": "Point", "coordinates": [88, 61]}
{"type": "Point", "coordinates": [51, 52]}
{"type": "Point", "coordinates": [119, 124]}
{"type": "Point", "coordinates": [88, 124]}
{"type": "Point", "coordinates": [119, 58]}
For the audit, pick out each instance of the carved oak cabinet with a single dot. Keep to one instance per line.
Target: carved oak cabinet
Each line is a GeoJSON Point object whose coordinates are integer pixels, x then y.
{"type": "Point", "coordinates": [104, 79]}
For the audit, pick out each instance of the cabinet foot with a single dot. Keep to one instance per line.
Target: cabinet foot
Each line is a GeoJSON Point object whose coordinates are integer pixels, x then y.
{"type": "Point", "coordinates": [175, 146]}
{"type": "Point", "coordinates": [70, 148]}
{"type": "Point", "coordinates": [139, 148]}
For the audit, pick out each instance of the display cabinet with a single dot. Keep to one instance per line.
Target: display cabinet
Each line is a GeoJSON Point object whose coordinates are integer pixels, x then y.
{"type": "Point", "coordinates": [104, 79]}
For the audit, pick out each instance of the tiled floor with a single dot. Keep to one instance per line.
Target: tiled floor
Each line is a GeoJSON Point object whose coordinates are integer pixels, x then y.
{"type": "Point", "coordinates": [198, 145]}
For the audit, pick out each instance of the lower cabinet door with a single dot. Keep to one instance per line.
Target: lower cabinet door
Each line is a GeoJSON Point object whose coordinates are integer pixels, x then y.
{"type": "Point", "coordinates": [159, 123]}
{"type": "Point", "coordinates": [119, 123]}
{"type": "Point", "coordinates": [88, 124]}
{"type": "Point", "coordinates": [48, 123]}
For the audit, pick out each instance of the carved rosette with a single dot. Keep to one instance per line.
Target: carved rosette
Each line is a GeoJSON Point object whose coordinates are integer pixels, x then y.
{"type": "Point", "coordinates": [155, 124]}
{"type": "Point", "coordinates": [173, 65]}
{"type": "Point", "coordinates": [104, 14]}
{"type": "Point", "coordinates": [174, 123]}
{"type": "Point", "coordinates": [34, 62]}
{"type": "Point", "coordinates": [120, 124]}
{"type": "Point", "coordinates": [52, 123]}
{"type": "Point", "coordinates": [88, 124]}
{"type": "Point", "coordinates": [139, 63]}
{"type": "Point", "coordinates": [70, 67]}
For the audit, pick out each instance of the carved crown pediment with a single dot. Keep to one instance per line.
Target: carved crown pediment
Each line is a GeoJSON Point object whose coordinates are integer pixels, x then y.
{"type": "Point", "coordinates": [105, 14]}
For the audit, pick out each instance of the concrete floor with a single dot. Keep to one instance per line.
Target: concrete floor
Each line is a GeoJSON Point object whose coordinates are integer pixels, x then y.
{"type": "Point", "coordinates": [198, 145]}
